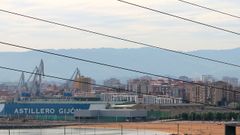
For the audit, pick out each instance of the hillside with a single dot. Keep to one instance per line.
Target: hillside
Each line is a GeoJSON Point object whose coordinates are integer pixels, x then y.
{"type": "Point", "coordinates": [144, 59]}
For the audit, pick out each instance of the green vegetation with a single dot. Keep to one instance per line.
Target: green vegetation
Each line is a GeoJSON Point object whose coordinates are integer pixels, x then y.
{"type": "Point", "coordinates": [210, 116]}
{"type": "Point", "coordinates": [157, 115]}
{"type": "Point", "coordinates": [50, 117]}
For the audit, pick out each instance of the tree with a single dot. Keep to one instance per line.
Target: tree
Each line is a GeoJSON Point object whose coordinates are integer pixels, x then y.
{"type": "Point", "coordinates": [198, 116]}
{"type": "Point", "coordinates": [210, 116]}
{"type": "Point", "coordinates": [185, 116]}
{"type": "Point", "coordinates": [219, 116]}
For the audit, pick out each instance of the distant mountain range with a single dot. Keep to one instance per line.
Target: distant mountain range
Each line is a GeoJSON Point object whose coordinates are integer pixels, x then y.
{"type": "Point", "coordinates": [144, 59]}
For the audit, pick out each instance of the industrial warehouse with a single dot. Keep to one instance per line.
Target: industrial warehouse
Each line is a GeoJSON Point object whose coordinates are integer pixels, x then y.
{"type": "Point", "coordinates": [77, 102]}
{"type": "Point", "coordinates": [111, 115]}
{"type": "Point", "coordinates": [70, 111]}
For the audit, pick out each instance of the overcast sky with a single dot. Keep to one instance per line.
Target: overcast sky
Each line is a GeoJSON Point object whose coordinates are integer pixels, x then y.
{"type": "Point", "coordinates": [115, 18]}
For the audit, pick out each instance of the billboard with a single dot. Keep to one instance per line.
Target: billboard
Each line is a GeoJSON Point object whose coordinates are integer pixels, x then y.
{"type": "Point", "coordinates": [21, 109]}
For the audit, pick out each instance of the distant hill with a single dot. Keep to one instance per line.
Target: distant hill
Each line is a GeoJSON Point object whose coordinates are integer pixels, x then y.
{"type": "Point", "coordinates": [144, 59]}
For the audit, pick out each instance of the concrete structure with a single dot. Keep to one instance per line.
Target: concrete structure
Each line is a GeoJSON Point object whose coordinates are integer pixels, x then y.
{"type": "Point", "coordinates": [157, 87]}
{"type": "Point", "coordinates": [144, 99]}
{"type": "Point", "coordinates": [48, 110]}
{"type": "Point", "coordinates": [81, 84]}
{"type": "Point", "coordinates": [231, 80]}
{"type": "Point", "coordinates": [185, 78]}
{"type": "Point", "coordinates": [113, 82]}
{"type": "Point", "coordinates": [171, 109]}
{"type": "Point", "coordinates": [139, 86]}
{"type": "Point", "coordinates": [198, 94]}
{"type": "Point", "coordinates": [208, 78]}
{"type": "Point", "coordinates": [216, 94]}
{"type": "Point", "coordinates": [150, 99]}
{"type": "Point", "coordinates": [118, 97]}
{"type": "Point", "coordinates": [221, 96]}
{"type": "Point", "coordinates": [82, 87]}
{"type": "Point", "coordinates": [230, 128]}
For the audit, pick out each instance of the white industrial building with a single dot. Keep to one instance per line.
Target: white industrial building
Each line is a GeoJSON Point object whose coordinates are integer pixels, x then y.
{"type": "Point", "coordinates": [144, 99]}
{"type": "Point", "coordinates": [151, 99]}
{"type": "Point", "coordinates": [119, 97]}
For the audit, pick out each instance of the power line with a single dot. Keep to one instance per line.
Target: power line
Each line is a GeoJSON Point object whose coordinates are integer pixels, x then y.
{"type": "Point", "coordinates": [112, 66]}
{"type": "Point", "coordinates": [113, 88]}
{"type": "Point", "coordinates": [122, 39]}
{"type": "Point", "coordinates": [51, 76]}
{"type": "Point", "coordinates": [110, 36]}
{"type": "Point", "coordinates": [214, 10]}
{"type": "Point", "coordinates": [179, 17]}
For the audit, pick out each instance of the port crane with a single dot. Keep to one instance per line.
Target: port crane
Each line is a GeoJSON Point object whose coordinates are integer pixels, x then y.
{"type": "Point", "coordinates": [31, 87]}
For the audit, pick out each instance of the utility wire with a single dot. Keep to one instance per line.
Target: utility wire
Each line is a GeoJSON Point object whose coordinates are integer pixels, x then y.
{"type": "Point", "coordinates": [114, 37]}
{"type": "Point", "coordinates": [54, 77]}
{"type": "Point", "coordinates": [179, 17]}
{"type": "Point", "coordinates": [110, 36]}
{"type": "Point", "coordinates": [122, 39]}
{"type": "Point", "coordinates": [113, 88]}
{"type": "Point", "coordinates": [113, 66]}
{"type": "Point", "coordinates": [214, 10]}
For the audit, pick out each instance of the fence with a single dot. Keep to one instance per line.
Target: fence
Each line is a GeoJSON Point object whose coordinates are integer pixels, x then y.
{"type": "Point", "coordinates": [78, 131]}
{"type": "Point", "coordinates": [128, 128]}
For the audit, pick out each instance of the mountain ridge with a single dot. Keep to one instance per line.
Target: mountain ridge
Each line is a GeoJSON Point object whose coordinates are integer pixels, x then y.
{"type": "Point", "coordinates": [143, 59]}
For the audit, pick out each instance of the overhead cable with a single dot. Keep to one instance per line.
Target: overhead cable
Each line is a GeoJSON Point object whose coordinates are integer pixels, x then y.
{"type": "Point", "coordinates": [211, 9]}
{"type": "Point", "coordinates": [181, 18]}
{"type": "Point", "coordinates": [113, 66]}
{"type": "Point", "coordinates": [113, 88]}
{"type": "Point", "coordinates": [122, 39]}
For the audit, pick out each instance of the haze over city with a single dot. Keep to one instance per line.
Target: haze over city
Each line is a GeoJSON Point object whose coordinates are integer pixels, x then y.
{"type": "Point", "coordinates": [127, 67]}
